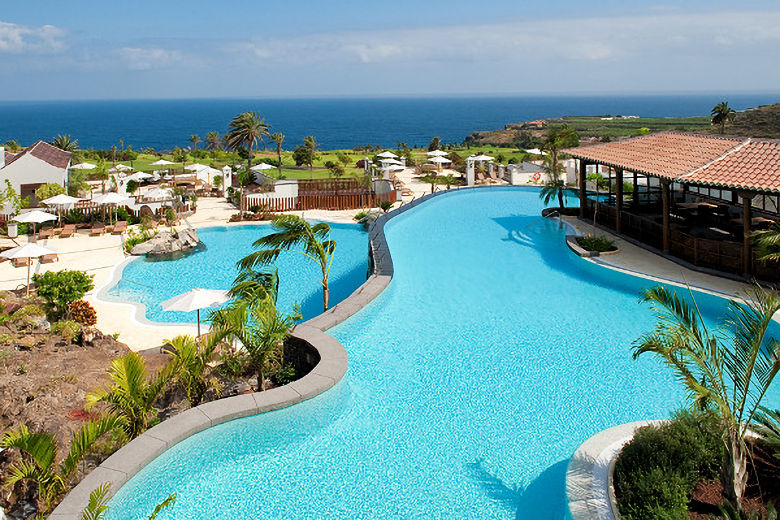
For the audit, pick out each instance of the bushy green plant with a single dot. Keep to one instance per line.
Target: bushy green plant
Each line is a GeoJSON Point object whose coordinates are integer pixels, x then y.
{"type": "Point", "coordinates": [385, 205]}
{"type": "Point", "coordinates": [657, 471]}
{"type": "Point", "coordinates": [82, 312]}
{"type": "Point", "coordinates": [596, 243]}
{"type": "Point", "coordinates": [61, 288]}
{"type": "Point", "coordinates": [67, 329]}
{"type": "Point", "coordinates": [49, 190]}
{"type": "Point", "coordinates": [134, 238]}
{"type": "Point", "coordinates": [360, 215]}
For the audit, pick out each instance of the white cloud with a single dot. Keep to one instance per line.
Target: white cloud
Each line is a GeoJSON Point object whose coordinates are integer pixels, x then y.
{"type": "Point", "coordinates": [148, 58]}
{"type": "Point", "coordinates": [18, 39]}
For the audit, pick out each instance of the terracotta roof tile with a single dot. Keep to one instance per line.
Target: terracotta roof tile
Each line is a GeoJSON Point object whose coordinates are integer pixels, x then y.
{"type": "Point", "coordinates": [667, 154]}
{"type": "Point", "coordinates": [45, 152]}
{"type": "Point", "coordinates": [755, 165]}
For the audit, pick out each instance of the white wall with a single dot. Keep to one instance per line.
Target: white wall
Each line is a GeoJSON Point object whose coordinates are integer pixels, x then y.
{"type": "Point", "coordinates": [31, 170]}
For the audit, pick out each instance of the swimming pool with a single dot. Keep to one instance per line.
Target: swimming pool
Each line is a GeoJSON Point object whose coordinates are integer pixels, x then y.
{"type": "Point", "coordinates": [149, 282]}
{"type": "Point", "coordinates": [473, 377]}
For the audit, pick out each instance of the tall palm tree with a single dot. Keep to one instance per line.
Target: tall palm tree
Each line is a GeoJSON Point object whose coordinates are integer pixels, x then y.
{"type": "Point", "coordinates": [66, 143]}
{"type": "Point", "coordinates": [195, 139]}
{"type": "Point", "coordinates": [246, 129]}
{"type": "Point", "coordinates": [557, 137]}
{"type": "Point", "coordinates": [213, 143]}
{"type": "Point", "coordinates": [722, 114]}
{"type": "Point", "coordinates": [278, 138]}
{"type": "Point", "coordinates": [39, 465]}
{"type": "Point", "coordinates": [133, 393]}
{"type": "Point", "coordinates": [729, 371]}
{"type": "Point", "coordinates": [294, 234]}
{"type": "Point", "coordinates": [312, 147]}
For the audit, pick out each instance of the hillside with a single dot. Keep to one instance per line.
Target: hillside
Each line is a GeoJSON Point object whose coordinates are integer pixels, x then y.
{"type": "Point", "coordinates": [762, 121]}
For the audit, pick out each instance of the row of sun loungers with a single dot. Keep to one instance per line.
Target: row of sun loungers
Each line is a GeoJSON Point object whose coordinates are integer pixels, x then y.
{"type": "Point", "coordinates": [98, 229]}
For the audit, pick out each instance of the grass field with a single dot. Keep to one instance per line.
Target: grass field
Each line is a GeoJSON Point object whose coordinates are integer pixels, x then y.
{"type": "Point", "coordinates": [595, 126]}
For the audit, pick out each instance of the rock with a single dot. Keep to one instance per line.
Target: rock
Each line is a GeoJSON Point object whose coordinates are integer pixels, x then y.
{"type": "Point", "coordinates": [166, 243]}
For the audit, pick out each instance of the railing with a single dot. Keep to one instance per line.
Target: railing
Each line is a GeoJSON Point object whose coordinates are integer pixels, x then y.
{"type": "Point", "coordinates": [341, 201]}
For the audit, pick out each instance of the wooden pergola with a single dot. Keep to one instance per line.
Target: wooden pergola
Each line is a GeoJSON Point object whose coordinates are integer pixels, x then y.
{"type": "Point", "coordinates": [738, 170]}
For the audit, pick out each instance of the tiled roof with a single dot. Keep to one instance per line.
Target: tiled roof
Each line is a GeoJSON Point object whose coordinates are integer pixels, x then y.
{"type": "Point", "coordinates": [45, 152]}
{"type": "Point", "coordinates": [754, 165]}
{"type": "Point", "coordinates": [667, 154]}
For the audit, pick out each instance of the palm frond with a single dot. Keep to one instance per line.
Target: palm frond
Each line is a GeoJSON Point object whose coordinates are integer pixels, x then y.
{"type": "Point", "coordinates": [168, 502]}
{"type": "Point", "coordinates": [41, 447]}
{"type": "Point", "coordinates": [84, 440]}
{"type": "Point", "coordinates": [97, 505]}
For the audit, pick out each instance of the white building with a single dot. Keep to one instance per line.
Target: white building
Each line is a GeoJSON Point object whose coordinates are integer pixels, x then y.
{"type": "Point", "coordinates": [39, 164]}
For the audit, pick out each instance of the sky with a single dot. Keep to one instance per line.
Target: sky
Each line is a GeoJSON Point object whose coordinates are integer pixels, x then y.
{"type": "Point", "coordinates": [98, 49]}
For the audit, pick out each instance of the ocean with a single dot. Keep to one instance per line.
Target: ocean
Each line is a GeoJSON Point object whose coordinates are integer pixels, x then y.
{"type": "Point", "coordinates": [335, 123]}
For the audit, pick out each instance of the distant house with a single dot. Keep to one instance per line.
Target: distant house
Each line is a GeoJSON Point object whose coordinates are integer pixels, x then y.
{"type": "Point", "coordinates": [39, 164]}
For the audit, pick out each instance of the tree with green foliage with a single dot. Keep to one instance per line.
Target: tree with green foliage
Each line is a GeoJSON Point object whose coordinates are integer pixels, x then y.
{"type": "Point", "coordinates": [335, 169]}
{"type": "Point", "coordinates": [38, 464]}
{"type": "Point", "coordinates": [434, 145]}
{"type": "Point", "coordinates": [195, 139]}
{"type": "Point", "coordinates": [61, 288]}
{"type": "Point", "coordinates": [101, 172]}
{"type": "Point", "coordinates": [132, 186]}
{"type": "Point", "coordinates": [295, 234]}
{"type": "Point", "coordinates": [312, 147]}
{"type": "Point", "coordinates": [246, 130]}
{"type": "Point", "coordinates": [66, 143]}
{"type": "Point", "coordinates": [77, 182]}
{"type": "Point", "coordinates": [133, 392]}
{"type": "Point", "coordinates": [191, 357]}
{"type": "Point", "coordinates": [11, 146]}
{"type": "Point", "coordinates": [278, 139]}
{"type": "Point", "coordinates": [48, 190]}
{"type": "Point", "coordinates": [97, 507]}
{"type": "Point", "coordinates": [557, 137]}
{"type": "Point", "coordinates": [729, 371]}
{"type": "Point", "coordinates": [213, 143]}
{"type": "Point", "coordinates": [722, 114]}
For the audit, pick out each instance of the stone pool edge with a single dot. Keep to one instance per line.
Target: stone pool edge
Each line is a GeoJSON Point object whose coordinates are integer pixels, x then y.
{"type": "Point", "coordinates": [131, 458]}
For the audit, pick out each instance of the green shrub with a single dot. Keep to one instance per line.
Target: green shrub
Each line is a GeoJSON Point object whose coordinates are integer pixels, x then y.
{"type": "Point", "coordinates": [385, 205]}
{"type": "Point", "coordinates": [61, 288]}
{"type": "Point", "coordinates": [360, 215]}
{"type": "Point", "coordinates": [600, 243]}
{"type": "Point", "coordinates": [49, 190]}
{"type": "Point", "coordinates": [65, 328]}
{"type": "Point", "coordinates": [134, 238]}
{"type": "Point", "coordinates": [657, 471]}
{"type": "Point", "coordinates": [82, 312]}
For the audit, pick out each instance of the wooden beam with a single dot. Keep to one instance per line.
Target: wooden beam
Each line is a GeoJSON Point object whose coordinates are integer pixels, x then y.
{"type": "Point", "coordinates": [747, 250]}
{"type": "Point", "coordinates": [619, 199]}
{"type": "Point", "coordinates": [665, 200]}
{"type": "Point", "coordinates": [635, 194]}
{"type": "Point", "coordinates": [583, 188]}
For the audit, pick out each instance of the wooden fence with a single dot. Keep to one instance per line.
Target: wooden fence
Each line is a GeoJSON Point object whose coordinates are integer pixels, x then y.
{"type": "Point", "coordinates": [340, 201]}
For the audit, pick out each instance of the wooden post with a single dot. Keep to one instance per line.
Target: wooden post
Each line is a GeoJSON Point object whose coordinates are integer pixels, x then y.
{"type": "Point", "coordinates": [619, 199]}
{"type": "Point", "coordinates": [665, 200]}
{"type": "Point", "coordinates": [583, 188]}
{"type": "Point", "coordinates": [635, 194]}
{"type": "Point", "coordinates": [747, 251]}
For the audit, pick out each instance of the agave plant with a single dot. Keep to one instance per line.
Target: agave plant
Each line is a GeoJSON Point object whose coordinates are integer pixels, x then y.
{"type": "Point", "coordinates": [729, 371]}
{"type": "Point", "coordinates": [39, 450]}
{"type": "Point", "coordinates": [190, 358]}
{"type": "Point", "coordinates": [294, 234]}
{"type": "Point", "coordinates": [133, 393]}
{"type": "Point", "coordinates": [97, 506]}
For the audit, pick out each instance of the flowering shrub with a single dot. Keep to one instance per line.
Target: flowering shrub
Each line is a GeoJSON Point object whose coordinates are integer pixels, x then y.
{"type": "Point", "coordinates": [82, 312]}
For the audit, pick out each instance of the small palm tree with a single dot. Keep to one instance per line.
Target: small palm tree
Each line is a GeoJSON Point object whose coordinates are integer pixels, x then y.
{"type": "Point", "coordinates": [66, 143]}
{"type": "Point", "coordinates": [768, 243]}
{"type": "Point", "coordinates": [278, 139]}
{"type": "Point", "coordinates": [294, 234]}
{"type": "Point", "coordinates": [195, 139]}
{"type": "Point", "coordinates": [101, 172]}
{"type": "Point", "coordinates": [191, 358]}
{"type": "Point", "coordinates": [729, 371]}
{"type": "Point", "coordinates": [213, 143]}
{"type": "Point", "coordinates": [312, 147]}
{"type": "Point", "coordinates": [246, 130]}
{"type": "Point", "coordinates": [39, 466]}
{"type": "Point", "coordinates": [133, 393]}
{"type": "Point", "coordinates": [722, 114]}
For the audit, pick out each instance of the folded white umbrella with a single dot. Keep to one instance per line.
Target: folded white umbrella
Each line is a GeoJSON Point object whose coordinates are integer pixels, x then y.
{"type": "Point", "coordinates": [390, 161]}
{"type": "Point", "coordinates": [140, 176]}
{"type": "Point", "coordinates": [481, 157]}
{"type": "Point", "coordinates": [28, 251]}
{"type": "Point", "coordinates": [123, 168]}
{"type": "Point", "coordinates": [389, 155]}
{"type": "Point", "coordinates": [439, 160]}
{"type": "Point", "coordinates": [110, 198]}
{"type": "Point", "coordinates": [83, 166]}
{"type": "Point", "coordinates": [262, 166]}
{"type": "Point", "coordinates": [195, 300]}
{"type": "Point", "coordinates": [437, 153]}
{"type": "Point", "coordinates": [162, 162]}
{"type": "Point", "coordinates": [157, 193]}
{"type": "Point", "coordinates": [60, 200]}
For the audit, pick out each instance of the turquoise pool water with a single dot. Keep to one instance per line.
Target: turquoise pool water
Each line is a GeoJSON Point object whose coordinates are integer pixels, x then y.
{"type": "Point", "coordinates": [149, 282]}
{"type": "Point", "coordinates": [491, 356]}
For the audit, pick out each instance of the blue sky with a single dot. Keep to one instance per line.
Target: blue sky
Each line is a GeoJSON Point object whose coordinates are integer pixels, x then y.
{"type": "Point", "coordinates": [165, 48]}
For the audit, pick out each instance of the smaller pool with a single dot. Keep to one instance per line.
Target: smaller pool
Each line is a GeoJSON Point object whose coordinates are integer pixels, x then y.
{"type": "Point", "coordinates": [150, 282]}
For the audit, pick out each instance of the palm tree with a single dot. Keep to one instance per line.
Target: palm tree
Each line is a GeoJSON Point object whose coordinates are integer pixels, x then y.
{"type": "Point", "coordinates": [191, 358]}
{"type": "Point", "coordinates": [294, 234]}
{"type": "Point", "coordinates": [213, 143]}
{"type": "Point", "coordinates": [246, 129]}
{"type": "Point", "coordinates": [101, 172]}
{"type": "Point", "coordinates": [312, 147]}
{"type": "Point", "coordinates": [768, 243]}
{"type": "Point", "coordinates": [722, 114]}
{"type": "Point", "coordinates": [195, 139]}
{"type": "Point", "coordinates": [113, 155]}
{"type": "Point", "coordinates": [557, 137]}
{"type": "Point", "coordinates": [39, 466]}
{"type": "Point", "coordinates": [66, 143]}
{"type": "Point", "coordinates": [133, 393]}
{"type": "Point", "coordinates": [98, 504]}
{"type": "Point", "coordinates": [278, 138]}
{"type": "Point", "coordinates": [259, 327]}
{"type": "Point", "coordinates": [729, 371]}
